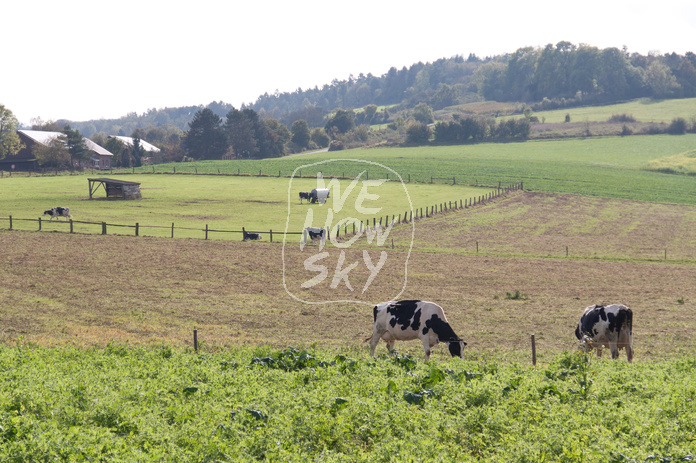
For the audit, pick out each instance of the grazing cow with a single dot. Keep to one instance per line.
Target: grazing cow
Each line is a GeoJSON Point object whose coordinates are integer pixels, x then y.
{"type": "Point", "coordinates": [305, 195]}
{"type": "Point", "coordinates": [407, 320]}
{"type": "Point", "coordinates": [58, 212]}
{"type": "Point", "coordinates": [314, 234]}
{"type": "Point", "coordinates": [610, 325]}
{"type": "Point", "coordinates": [250, 236]}
{"type": "Point", "coordinates": [319, 195]}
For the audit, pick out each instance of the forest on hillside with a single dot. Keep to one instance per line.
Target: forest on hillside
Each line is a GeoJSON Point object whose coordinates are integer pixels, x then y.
{"type": "Point", "coordinates": [403, 104]}
{"type": "Point", "coordinates": [560, 75]}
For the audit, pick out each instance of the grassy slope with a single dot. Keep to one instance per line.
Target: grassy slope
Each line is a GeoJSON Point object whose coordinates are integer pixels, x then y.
{"type": "Point", "coordinates": [608, 167]}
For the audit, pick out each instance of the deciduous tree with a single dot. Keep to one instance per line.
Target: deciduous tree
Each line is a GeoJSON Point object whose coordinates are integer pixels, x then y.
{"type": "Point", "coordinates": [55, 154]}
{"type": "Point", "coordinates": [300, 134]}
{"type": "Point", "coordinates": [10, 143]}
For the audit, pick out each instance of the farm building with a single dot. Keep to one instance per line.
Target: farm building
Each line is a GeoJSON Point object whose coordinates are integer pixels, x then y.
{"type": "Point", "coordinates": [128, 141]}
{"type": "Point", "coordinates": [25, 159]}
{"type": "Point", "coordinates": [128, 153]}
{"type": "Point", "coordinates": [115, 189]}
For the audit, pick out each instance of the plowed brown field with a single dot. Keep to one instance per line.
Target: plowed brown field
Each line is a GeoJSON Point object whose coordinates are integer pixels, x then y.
{"type": "Point", "coordinates": [90, 290]}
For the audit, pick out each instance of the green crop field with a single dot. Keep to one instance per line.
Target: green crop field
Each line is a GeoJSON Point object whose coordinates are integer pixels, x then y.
{"type": "Point", "coordinates": [643, 110]}
{"type": "Point", "coordinates": [125, 404]}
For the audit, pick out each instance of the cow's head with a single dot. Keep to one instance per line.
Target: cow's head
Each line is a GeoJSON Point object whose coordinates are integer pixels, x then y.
{"type": "Point", "coordinates": [455, 348]}
{"type": "Point", "coordinates": [585, 344]}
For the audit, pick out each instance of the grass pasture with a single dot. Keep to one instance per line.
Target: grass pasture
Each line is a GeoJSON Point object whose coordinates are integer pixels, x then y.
{"type": "Point", "coordinates": [222, 202]}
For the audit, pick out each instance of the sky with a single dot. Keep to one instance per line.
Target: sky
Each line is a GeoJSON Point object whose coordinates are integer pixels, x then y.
{"type": "Point", "coordinates": [82, 60]}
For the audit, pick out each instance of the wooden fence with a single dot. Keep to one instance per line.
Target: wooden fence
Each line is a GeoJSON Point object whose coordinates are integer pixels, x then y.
{"type": "Point", "coordinates": [206, 232]}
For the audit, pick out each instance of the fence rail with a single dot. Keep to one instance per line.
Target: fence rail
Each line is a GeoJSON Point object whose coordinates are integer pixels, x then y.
{"type": "Point", "coordinates": [348, 228]}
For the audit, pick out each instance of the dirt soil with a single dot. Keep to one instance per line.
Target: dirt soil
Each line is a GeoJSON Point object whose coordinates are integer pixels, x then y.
{"type": "Point", "coordinates": [57, 288]}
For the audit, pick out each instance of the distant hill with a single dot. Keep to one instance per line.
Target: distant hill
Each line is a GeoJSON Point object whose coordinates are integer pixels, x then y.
{"type": "Point", "coordinates": [555, 76]}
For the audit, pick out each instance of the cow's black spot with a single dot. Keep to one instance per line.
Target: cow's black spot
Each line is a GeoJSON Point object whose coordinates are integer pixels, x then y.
{"type": "Point", "coordinates": [416, 320]}
{"type": "Point", "coordinates": [402, 312]}
{"type": "Point", "coordinates": [444, 332]}
{"type": "Point", "coordinates": [425, 330]}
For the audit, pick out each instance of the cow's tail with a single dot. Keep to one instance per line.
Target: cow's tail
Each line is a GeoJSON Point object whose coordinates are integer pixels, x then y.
{"type": "Point", "coordinates": [374, 312]}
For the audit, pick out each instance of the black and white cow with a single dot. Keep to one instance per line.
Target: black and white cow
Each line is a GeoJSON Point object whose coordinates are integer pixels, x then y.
{"type": "Point", "coordinates": [305, 195]}
{"type": "Point", "coordinates": [408, 320]}
{"type": "Point", "coordinates": [610, 326]}
{"type": "Point", "coordinates": [57, 212]}
{"type": "Point", "coordinates": [314, 234]}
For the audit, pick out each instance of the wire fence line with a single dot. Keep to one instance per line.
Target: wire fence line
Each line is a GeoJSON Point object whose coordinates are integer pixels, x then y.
{"type": "Point", "coordinates": [206, 232]}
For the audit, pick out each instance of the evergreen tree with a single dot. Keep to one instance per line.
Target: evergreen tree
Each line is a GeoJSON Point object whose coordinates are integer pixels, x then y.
{"type": "Point", "coordinates": [205, 138]}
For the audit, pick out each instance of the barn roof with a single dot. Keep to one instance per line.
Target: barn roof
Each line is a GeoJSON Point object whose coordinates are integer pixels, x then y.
{"type": "Point", "coordinates": [45, 138]}
{"type": "Point", "coordinates": [129, 142]}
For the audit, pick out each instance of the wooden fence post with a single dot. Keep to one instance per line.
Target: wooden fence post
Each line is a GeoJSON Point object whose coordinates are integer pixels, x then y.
{"type": "Point", "coordinates": [71, 226]}
{"type": "Point", "coordinates": [195, 340]}
{"type": "Point", "coordinates": [206, 231]}
{"type": "Point", "coordinates": [10, 222]}
{"type": "Point", "coordinates": [533, 351]}
{"type": "Point", "coordinates": [271, 235]}
{"type": "Point", "coordinates": [39, 223]}
{"type": "Point", "coordinates": [137, 226]}
{"type": "Point", "coordinates": [172, 229]}
{"type": "Point", "coordinates": [103, 228]}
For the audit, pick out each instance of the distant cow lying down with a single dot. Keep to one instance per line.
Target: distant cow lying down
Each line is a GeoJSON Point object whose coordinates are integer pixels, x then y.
{"type": "Point", "coordinates": [407, 320]}
{"type": "Point", "coordinates": [57, 212]}
{"type": "Point", "coordinates": [250, 236]}
{"type": "Point", "coordinates": [610, 326]}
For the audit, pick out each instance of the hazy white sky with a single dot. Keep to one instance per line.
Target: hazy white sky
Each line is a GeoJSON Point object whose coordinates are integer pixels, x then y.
{"type": "Point", "coordinates": [81, 59]}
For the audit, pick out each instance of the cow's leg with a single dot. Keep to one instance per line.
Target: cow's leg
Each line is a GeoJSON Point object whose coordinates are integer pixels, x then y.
{"type": "Point", "coordinates": [376, 335]}
{"type": "Point", "coordinates": [599, 351]}
{"type": "Point", "coordinates": [614, 348]}
{"type": "Point", "coordinates": [390, 345]}
{"type": "Point", "coordinates": [426, 348]}
{"type": "Point", "coordinates": [629, 353]}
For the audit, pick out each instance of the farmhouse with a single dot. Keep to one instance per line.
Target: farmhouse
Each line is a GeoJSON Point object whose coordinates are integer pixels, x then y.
{"type": "Point", "coordinates": [115, 189]}
{"type": "Point", "coordinates": [25, 159]}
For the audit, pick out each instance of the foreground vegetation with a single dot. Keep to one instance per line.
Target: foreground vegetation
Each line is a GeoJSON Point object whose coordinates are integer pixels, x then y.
{"type": "Point", "coordinates": [122, 403]}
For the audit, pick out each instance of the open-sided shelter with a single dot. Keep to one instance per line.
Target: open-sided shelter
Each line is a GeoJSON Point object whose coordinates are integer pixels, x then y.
{"type": "Point", "coordinates": [115, 189]}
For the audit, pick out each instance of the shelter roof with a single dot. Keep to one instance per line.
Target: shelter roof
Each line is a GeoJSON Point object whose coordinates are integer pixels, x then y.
{"type": "Point", "coordinates": [113, 181]}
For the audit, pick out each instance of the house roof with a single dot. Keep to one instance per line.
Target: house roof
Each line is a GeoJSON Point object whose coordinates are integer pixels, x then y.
{"type": "Point", "coordinates": [45, 138]}
{"type": "Point", "coordinates": [129, 142]}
